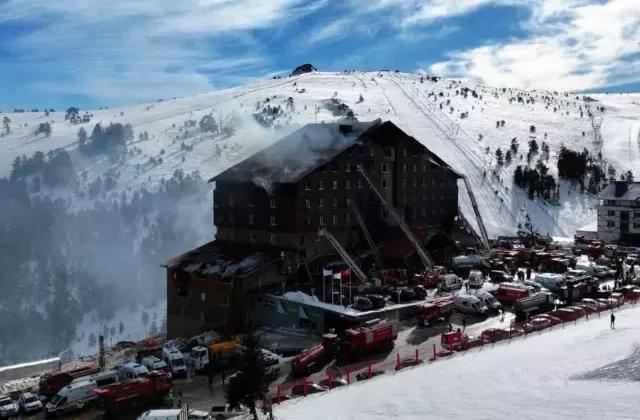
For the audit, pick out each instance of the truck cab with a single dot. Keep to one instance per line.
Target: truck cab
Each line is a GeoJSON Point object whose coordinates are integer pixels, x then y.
{"type": "Point", "coordinates": [175, 362]}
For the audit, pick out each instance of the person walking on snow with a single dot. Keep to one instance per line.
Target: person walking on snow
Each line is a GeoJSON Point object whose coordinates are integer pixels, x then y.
{"type": "Point", "coordinates": [613, 321]}
{"type": "Point", "coordinates": [464, 324]}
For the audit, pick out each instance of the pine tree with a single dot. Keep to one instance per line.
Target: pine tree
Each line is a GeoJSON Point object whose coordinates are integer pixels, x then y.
{"type": "Point", "coordinates": [6, 123]}
{"type": "Point", "coordinates": [507, 157]}
{"type": "Point", "coordinates": [82, 140]}
{"type": "Point", "coordinates": [252, 381]}
{"type": "Point", "coordinates": [128, 133]}
{"type": "Point", "coordinates": [499, 157]}
{"type": "Point", "coordinates": [121, 328]}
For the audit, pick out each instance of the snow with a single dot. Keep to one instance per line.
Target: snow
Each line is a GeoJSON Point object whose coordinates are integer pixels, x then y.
{"type": "Point", "coordinates": [591, 227]}
{"type": "Point", "coordinates": [398, 97]}
{"type": "Point", "coordinates": [134, 328]}
{"type": "Point", "coordinates": [306, 299]}
{"type": "Point", "coordinates": [586, 371]}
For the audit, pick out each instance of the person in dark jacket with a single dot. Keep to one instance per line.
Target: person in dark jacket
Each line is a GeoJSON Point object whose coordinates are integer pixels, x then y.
{"type": "Point", "coordinates": [210, 375]}
{"type": "Point", "coordinates": [613, 321]}
{"type": "Point", "coordinates": [464, 324]}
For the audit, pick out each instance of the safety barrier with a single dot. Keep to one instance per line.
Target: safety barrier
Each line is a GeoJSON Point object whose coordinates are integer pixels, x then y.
{"type": "Point", "coordinates": [463, 348]}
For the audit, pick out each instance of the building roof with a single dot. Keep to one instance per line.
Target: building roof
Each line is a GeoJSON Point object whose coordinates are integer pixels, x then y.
{"type": "Point", "coordinates": [223, 259]}
{"type": "Point", "coordinates": [631, 192]}
{"type": "Point", "coordinates": [295, 155]}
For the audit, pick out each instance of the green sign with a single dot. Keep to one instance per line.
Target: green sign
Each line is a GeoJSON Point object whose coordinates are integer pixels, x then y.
{"type": "Point", "coordinates": [291, 308]}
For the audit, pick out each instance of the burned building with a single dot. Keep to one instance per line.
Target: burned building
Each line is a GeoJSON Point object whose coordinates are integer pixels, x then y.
{"type": "Point", "coordinates": [276, 201]}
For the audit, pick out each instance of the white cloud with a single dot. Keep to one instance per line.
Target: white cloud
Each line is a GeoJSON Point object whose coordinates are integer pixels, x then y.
{"type": "Point", "coordinates": [124, 50]}
{"type": "Point", "coordinates": [575, 45]}
{"type": "Point", "coordinates": [333, 31]}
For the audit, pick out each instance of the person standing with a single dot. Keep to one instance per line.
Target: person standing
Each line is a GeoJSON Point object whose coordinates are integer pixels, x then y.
{"type": "Point", "coordinates": [613, 321]}
{"type": "Point", "coordinates": [223, 376]}
{"type": "Point", "coordinates": [464, 324]}
{"type": "Point", "coordinates": [210, 375]}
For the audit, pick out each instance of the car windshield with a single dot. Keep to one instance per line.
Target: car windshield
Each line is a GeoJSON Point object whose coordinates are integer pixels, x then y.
{"type": "Point", "coordinates": [177, 362]}
{"type": "Point", "coordinates": [56, 399]}
{"type": "Point", "coordinates": [30, 399]}
{"type": "Point", "coordinates": [6, 402]}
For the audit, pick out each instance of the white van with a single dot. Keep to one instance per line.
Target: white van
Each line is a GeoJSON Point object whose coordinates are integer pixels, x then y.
{"type": "Point", "coordinates": [173, 414]}
{"type": "Point", "coordinates": [476, 279]}
{"type": "Point", "coordinates": [449, 282]}
{"type": "Point", "coordinates": [489, 301]}
{"type": "Point", "coordinates": [153, 363]}
{"type": "Point", "coordinates": [551, 281]}
{"type": "Point", "coordinates": [76, 394]}
{"type": "Point", "coordinates": [131, 370]}
{"type": "Point", "coordinates": [469, 304]}
{"type": "Point", "coordinates": [175, 361]}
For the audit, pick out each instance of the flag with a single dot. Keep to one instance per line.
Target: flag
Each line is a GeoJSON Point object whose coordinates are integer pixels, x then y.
{"type": "Point", "coordinates": [345, 272]}
{"type": "Point", "coordinates": [184, 413]}
{"type": "Point", "coordinates": [326, 273]}
{"type": "Point", "coordinates": [337, 276]}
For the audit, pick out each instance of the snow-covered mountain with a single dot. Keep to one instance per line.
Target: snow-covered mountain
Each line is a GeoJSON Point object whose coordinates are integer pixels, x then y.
{"type": "Point", "coordinates": [163, 142]}
{"type": "Point", "coordinates": [460, 132]}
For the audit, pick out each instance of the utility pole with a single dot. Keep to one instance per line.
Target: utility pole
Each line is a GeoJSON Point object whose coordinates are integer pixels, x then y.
{"type": "Point", "coordinates": [101, 355]}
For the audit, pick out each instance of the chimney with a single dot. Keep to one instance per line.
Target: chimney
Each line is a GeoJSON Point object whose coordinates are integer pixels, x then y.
{"type": "Point", "coordinates": [345, 128]}
{"type": "Point", "coordinates": [621, 188]}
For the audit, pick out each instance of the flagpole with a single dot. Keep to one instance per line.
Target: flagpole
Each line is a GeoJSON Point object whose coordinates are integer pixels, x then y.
{"type": "Point", "coordinates": [350, 301]}
{"type": "Point", "coordinates": [332, 290]}
{"type": "Point", "coordinates": [341, 288]}
{"type": "Point", "coordinates": [324, 292]}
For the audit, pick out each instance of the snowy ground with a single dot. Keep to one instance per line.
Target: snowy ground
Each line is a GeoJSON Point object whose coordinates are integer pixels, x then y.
{"type": "Point", "coordinates": [399, 97]}
{"type": "Point", "coordinates": [586, 371]}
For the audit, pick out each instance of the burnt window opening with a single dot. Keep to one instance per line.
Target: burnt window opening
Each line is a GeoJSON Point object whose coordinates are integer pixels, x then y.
{"type": "Point", "coordinates": [181, 282]}
{"type": "Point", "coordinates": [388, 152]}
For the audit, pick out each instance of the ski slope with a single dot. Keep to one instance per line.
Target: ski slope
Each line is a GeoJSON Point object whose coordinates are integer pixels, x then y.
{"type": "Point", "coordinates": [587, 371]}
{"type": "Point", "coordinates": [402, 98]}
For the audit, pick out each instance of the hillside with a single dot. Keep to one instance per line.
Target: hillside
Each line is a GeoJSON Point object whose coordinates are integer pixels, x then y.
{"type": "Point", "coordinates": [128, 200]}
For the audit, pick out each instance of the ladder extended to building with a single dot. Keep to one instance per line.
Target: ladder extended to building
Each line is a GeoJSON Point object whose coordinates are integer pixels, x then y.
{"type": "Point", "coordinates": [343, 254]}
{"type": "Point", "coordinates": [428, 263]}
{"type": "Point", "coordinates": [474, 204]}
{"type": "Point", "coordinates": [365, 232]}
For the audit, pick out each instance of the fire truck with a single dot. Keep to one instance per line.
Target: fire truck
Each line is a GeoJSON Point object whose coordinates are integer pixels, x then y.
{"type": "Point", "coordinates": [430, 313]}
{"type": "Point", "coordinates": [117, 398]}
{"type": "Point", "coordinates": [52, 382]}
{"type": "Point", "coordinates": [352, 343]}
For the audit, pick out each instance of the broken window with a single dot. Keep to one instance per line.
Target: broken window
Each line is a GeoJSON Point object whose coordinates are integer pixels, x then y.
{"type": "Point", "coordinates": [384, 184]}
{"type": "Point", "coordinates": [321, 203]}
{"type": "Point", "coordinates": [347, 167]}
{"type": "Point", "coordinates": [388, 152]}
{"type": "Point", "coordinates": [372, 151]}
{"type": "Point", "coordinates": [307, 185]}
{"type": "Point", "coordinates": [321, 186]}
{"type": "Point", "coordinates": [404, 183]}
{"type": "Point", "coordinates": [252, 219]}
{"type": "Point", "coordinates": [335, 185]}
{"type": "Point", "coordinates": [272, 221]}
{"type": "Point", "coordinates": [334, 219]}
{"type": "Point", "coordinates": [307, 203]}
{"type": "Point", "coordinates": [321, 220]}
{"type": "Point", "coordinates": [272, 238]}
{"type": "Point", "coordinates": [252, 236]}
{"type": "Point", "coordinates": [272, 203]}
{"type": "Point", "coordinates": [335, 202]}
{"type": "Point", "coordinates": [385, 168]}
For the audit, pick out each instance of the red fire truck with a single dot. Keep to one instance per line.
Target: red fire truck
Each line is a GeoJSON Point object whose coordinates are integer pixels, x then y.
{"type": "Point", "coordinates": [353, 342]}
{"type": "Point", "coordinates": [430, 313]}
{"type": "Point", "coordinates": [117, 398]}
{"type": "Point", "coordinates": [52, 382]}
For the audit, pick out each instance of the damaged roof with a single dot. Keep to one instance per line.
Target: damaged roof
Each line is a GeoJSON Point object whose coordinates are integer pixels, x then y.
{"type": "Point", "coordinates": [292, 157]}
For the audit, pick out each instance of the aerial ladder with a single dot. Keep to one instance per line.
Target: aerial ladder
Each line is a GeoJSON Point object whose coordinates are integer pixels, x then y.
{"type": "Point", "coordinates": [476, 210]}
{"type": "Point", "coordinates": [428, 263]}
{"type": "Point", "coordinates": [343, 254]}
{"type": "Point", "coordinates": [367, 236]}
{"type": "Point", "coordinates": [468, 226]}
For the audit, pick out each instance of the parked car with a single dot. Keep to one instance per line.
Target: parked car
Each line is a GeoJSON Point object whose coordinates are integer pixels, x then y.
{"type": "Point", "coordinates": [335, 383]}
{"type": "Point", "coordinates": [29, 403]}
{"type": "Point", "coordinates": [312, 388]}
{"type": "Point", "coordinates": [552, 320]}
{"type": "Point", "coordinates": [499, 276]}
{"type": "Point", "coordinates": [363, 376]}
{"type": "Point", "coordinates": [8, 407]}
{"type": "Point", "coordinates": [537, 287]}
{"type": "Point", "coordinates": [408, 363]}
{"type": "Point", "coordinates": [602, 272]}
{"type": "Point", "coordinates": [538, 323]}
{"type": "Point", "coordinates": [362, 303]}
{"type": "Point", "coordinates": [221, 412]}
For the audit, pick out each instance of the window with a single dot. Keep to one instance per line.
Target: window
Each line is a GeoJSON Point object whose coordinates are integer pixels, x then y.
{"type": "Point", "coordinates": [415, 167]}
{"type": "Point", "coordinates": [269, 303]}
{"type": "Point", "coordinates": [348, 217]}
{"type": "Point", "coordinates": [385, 214]}
{"type": "Point", "coordinates": [307, 185]}
{"type": "Point", "coordinates": [424, 212]}
{"type": "Point", "coordinates": [201, 319]}
{"type": "Point", "coordinates": [272, 203]}
{"type": "Point", "coordinates": [335, 202]}
{"type": "Point", "coordinates": [611, 213]}
{"type": "Point", "coordinates": [385, 168]}
{"type": "Point", "coordinates": [359, 183]}
{"type": "Point", "coordinates": [252, 219]}
{"type": "Point", "coordinates": [424, 167]}
{"type": "Point", "coordinates": [252, 236]}
{"type": "Point", "coordinates": [317, 238]}
{"type": "Point", "coordinates": [611, 224]}
{"type": "Point", "coordinates": [372, 151]}
{"type": "Point", "coordinates": [610, 203]}
{"type": "Point", "coordinates": [232, 234]}
{"type": "Point", "coordinates": [388, 152]}
{"type": "Point", "coordinates": [404, 167]}
{"type": "Point", "coordinates": [321, 187]}
{"type": "Point", "coordinates": [347, 185]}
{"type": "Point", "coordinates": [404, 152]}
{"type": "Point", "coordinates": [308, 222]}
{"type": "Point", "coordinates": [321, 220]}
{"type": "Point", "coordinates": [404, 183]}
{"type": "Point", "coordinates": [384, 184]}
{"type": "Point", "coordinates": [433, 182]}
{"type": "Point", "coordinates": [301, 240]}
{"type": "Point", "coordinates": [358, 167]}
{"type": "Point", "coordinates": [252, 203]}
{"type": "Point", "coordinates": [272, 221]}
{"type": "Point", "coordinates": [272, 238]}
{"type": "Point", "coordinates": [335, 185]}
{"type": "Point", "coordinates": [321, 203]}
{"type": "Point", "coordinates": [224, 300]}
{"type": "Point", "coordinates": [441, 181]}
{"type": "Point", "coordinates": [231, 201]}
{"type": "Point", "coordinates": [347, 168]}
{"type": "Point", "coordinates": [415, 182]}
{"type": "Point", "coordinates": [231, 217]}
{"type": "Point", "coordinates": [307, 203]}
{"type": "Point", "coordinates": [334, 219]}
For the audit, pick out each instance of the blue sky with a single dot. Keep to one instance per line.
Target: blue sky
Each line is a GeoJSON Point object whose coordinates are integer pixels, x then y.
{"type": "Point", "coordinates": [92, 53]}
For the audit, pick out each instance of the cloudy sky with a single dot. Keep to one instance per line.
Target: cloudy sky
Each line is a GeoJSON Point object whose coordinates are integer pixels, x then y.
{"type": "Point", "coordinates": [54, 53]}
